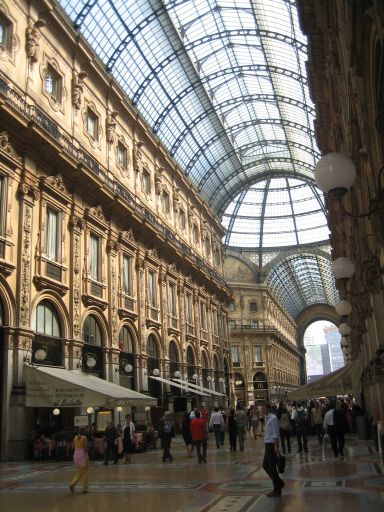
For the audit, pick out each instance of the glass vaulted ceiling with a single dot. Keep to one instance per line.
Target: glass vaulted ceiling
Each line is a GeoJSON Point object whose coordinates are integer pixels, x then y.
{"type": "Point", "coordinates": [221, 82]}
{"type": "Point", "coordinates": [223, 85]}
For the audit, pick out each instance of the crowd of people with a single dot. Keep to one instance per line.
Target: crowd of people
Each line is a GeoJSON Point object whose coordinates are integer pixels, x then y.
{"type": "Point", "coordinates": [278, 425]}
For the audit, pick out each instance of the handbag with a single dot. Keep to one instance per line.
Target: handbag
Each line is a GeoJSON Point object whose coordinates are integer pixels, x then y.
{"type": "Point", "coordinates": [280, 462]}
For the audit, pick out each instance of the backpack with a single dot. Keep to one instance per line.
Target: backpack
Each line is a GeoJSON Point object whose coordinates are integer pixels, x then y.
{"type": "Point", "coordinates": [301, 419]}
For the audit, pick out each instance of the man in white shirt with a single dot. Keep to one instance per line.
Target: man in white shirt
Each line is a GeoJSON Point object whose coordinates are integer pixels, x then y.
{"type": "Point", "coordinates": [216, 423]}
{"type": "Point", "coordinates": [271, 440]}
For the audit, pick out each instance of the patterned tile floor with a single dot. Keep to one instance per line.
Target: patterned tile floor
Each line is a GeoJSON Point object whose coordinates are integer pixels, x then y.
{"type": "Point", "coordinates": [233, 482]}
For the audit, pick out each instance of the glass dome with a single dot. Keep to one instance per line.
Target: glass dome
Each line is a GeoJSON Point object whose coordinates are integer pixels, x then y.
{"type": "Point", "coordinates": [276, 212]}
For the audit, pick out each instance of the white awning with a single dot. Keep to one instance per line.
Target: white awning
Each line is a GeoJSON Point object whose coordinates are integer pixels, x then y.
{"type": "Point", "coordinates": [207, 390]}
{"type": "Point", "coordinates": [57, 387]}
{"type": "Point", "coordinates": [344, 381]}
{"type": "Point", "coordinates": [185, 386]}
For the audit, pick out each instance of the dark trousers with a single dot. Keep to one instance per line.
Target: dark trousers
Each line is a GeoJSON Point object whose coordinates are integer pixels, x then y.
{"type": "Point", "coordinates": [232, 441]}
{"type": "Point", "coordinates": [166, 446]}
{"type": "Point", "coordinates": [337, 440]}
{"type": "Point", "coordinates": [285, 436]}
{"type": "Point", "coordinates": [319, 432]}
{"type": "Point", "coordinates": [201, 444]}
{"type": "Point", "coordinates": [301, 436]}
{"type": "Point", "coordinates": [217, 432]}
{"type": "Point", "coordinates": [110, 453]}
{"type": "Point", "coordinates": [269, 466]}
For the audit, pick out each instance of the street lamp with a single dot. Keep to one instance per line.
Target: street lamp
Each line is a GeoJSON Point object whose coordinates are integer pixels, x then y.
{"type": "Point", "coordinates": [119, 410]}
{"type": "Point", "coordinates": [90, 411]}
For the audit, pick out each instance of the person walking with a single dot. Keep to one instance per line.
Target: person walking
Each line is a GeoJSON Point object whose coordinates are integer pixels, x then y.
{"type": "Point", "coordinates": [199, 437]}
{"type": "Point", "coordinates": [216, 423]}
{"type": "Point", "coordinates": [128, 439]}
{"type": "Point", "coordinates": [241, 422]}
{"type": "Point", "coordinates": [271, 440]}
{"type": "Point", "coordinates": [166, 433]}
{"type": "Point", "coordinates": [317, 421]}
{"type": "Point", "coordinates": [254, 421]}
{"type": "Point", "coordinates": [232, 430]}
{"type": "Point", "coordinates": [335, 425]}
{"type": "Point", "coordinates": [110, 440]}
{"type": "Point", "coordinates": [300, 418]}
{"type": "Point", "coordinates": [186, 432]}
{"type": "Point", "coordinates": [285, 427]}
{"type": "Point", "coordinates": [81, 461]}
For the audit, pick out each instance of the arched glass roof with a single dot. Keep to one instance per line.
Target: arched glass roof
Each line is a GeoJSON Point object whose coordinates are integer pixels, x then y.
{"type": "Point", "coordinates": [223, 85]}
{"type": "Point", "coordinates": [302, 280]}
{"type": "Point", "coordinates": [221, 82]}
{"type": "Point", "coordinates": [276, 212]}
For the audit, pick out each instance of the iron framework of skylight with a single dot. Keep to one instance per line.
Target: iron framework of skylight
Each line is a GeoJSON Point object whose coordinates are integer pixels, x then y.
{"type": "Point", "coordinates": [275, 213]}
{"type": "Point", "coordinates": [221, 82]}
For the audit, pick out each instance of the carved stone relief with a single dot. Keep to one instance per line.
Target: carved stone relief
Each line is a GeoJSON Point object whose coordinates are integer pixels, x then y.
{"type": "Point", "coordinates": [25, 284]}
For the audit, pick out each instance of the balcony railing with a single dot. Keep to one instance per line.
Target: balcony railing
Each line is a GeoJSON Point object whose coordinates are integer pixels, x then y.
{"type": "Point", "coordinates": [244, 326]}
{"type": "Point", "coordinates": [53, 271]}
{"type": "Point", "coordinates": [34, 113]}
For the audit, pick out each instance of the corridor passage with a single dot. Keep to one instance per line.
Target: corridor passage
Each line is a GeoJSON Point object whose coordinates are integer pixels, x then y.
{"type": "Point", "coordinates": [230, 481]}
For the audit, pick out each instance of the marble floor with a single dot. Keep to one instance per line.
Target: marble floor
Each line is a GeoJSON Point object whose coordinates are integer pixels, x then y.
{"type": "Point", "coordinates": [230, 481]}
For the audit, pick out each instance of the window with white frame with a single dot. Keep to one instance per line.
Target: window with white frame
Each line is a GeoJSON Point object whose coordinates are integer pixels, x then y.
{"type": "Point", "coordinates": [152, 288]}
{"type": "Point", "coordinates": [172, 299]}
{"type": "Point", "coordinates": [203, 317]}
{"type": "Point", "coordinates": [52, 244]}
{"type": "Point", "coordinates": [189, 308]}
{"type": "Point", "coordinates": [122, 155]}
{"type": "Point", "coordinates": [254, 324]}
{"type": "Point", "coordinates": [95, 257]}
{"type": "Point", "coordinates": [53, 83]}
{"type": "Point", "coordinates": [235, 354]}
{"type": "Point", "coordinates": [5, 33]}
{"type": "Point", "coordinates": [128, 275]}
{"type": "Point", "coordinates": [92, 124]}
{"type": "Point", "coordinates": [258, 355]}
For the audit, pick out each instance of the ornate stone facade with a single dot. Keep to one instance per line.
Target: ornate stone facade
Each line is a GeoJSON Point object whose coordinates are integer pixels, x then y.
{"type": "Point", "coordinates": [86, 244]}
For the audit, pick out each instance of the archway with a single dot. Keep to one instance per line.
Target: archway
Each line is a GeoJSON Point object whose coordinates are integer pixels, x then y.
{"type": "Point", "coordinates": [323, 351]}
{"type": "Point", "coordinates": [127, 361]}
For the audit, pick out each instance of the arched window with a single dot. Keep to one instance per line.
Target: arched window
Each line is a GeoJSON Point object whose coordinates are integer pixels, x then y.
{"type": "Point", "coordinates": [47, 320]}
{"type": "Point", "coordinates": [126, 340]}
{"type": "Point", "coordinates": [91, 331]}
{"type": "Point", "coordinates": [173, 352]}
{"type": "Point", "coordinates": [190, 357]}
{"type": "Point", "coordinates": [152, 347]}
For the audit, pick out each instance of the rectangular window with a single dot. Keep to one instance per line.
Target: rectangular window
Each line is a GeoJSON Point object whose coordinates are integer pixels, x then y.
{"type": "Point", "coordinates": [232, 324]}
{"type": "Point", "coordinates": [235, 354]}
{"type": "Point", "coordinates": [254, 324]}
{"type": "Point", "coordinates": [253, 306]}
{"type": "Point", "coordinates": [5, 33]}
{"type": "Point", "coordinates": [95, 258]}
{"type": "Point", "coordinates": [182, 222]}
{"type": "Point", "coordinates": [146, 182]}
{"type": "Point", "coordinates": [122, 156]}
{"type": "Point", "coordinates": [165, 202]}
{"type": "Point", "coordinates": [92, 124]}
{"type": "Point", "coordinates": [189, 308]}
{"type": "Point", "coordinates": [52, 83]}
{"type": "Point", "coordinates": [172, 299]}
{"type": "Point", "coordinates": [225, 327]}
{"type": "Point", "coordinates": [52, 246]}
{"type": "Point", "coordinates": [203, 319]}
{"type": "Point", "coordinates": [215, 327]}
{"type": "Point", "coordinates": [127, 275]}
{"type": "Point", "coordinates": [258, 355]}
{"type": "Point", "coordinates": [152, 289]}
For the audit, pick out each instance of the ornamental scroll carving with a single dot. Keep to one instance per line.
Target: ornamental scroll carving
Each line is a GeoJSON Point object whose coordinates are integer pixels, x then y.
{"type": "Point", "coordinates": [26, 267]}
{"type": "Point", "coordinates": [7, 148]}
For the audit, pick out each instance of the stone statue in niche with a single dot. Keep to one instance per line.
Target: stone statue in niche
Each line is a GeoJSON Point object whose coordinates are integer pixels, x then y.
{"type": "Point", "coordinates": [111, 126]}
{"type": "Point", "coordinates": [158, 180]}
{"type": "Point", "coordinates": [78, 88]}
{"type": "Point", "coordinates": [32, 45]}
{"type": "Point", "coordinates": [176, 200]}
{"type": "Point", "coordinates": [138, 156]}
